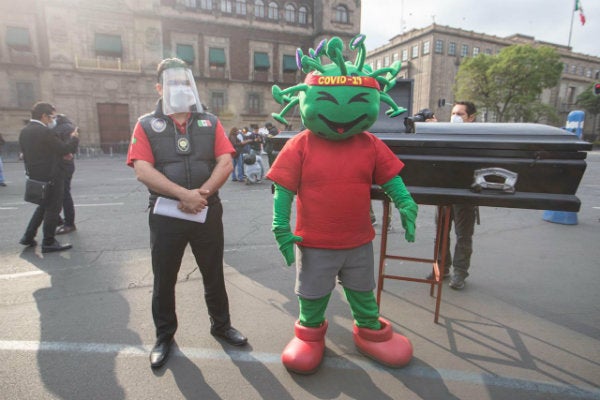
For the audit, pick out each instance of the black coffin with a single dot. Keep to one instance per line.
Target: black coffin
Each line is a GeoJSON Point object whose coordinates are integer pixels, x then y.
{"type": "Point", "coordinates": [516, 165]}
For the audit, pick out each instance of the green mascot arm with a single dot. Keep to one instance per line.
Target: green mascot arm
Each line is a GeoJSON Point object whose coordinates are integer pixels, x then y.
{"type": "Point", "coordinates": [404, 202]}
{"type": "Point", "coordinates": [282, 207]}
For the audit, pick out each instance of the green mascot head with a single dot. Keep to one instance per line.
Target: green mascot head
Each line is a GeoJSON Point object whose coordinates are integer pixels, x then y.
{"type": "Point", "coordinates": [339, 99]}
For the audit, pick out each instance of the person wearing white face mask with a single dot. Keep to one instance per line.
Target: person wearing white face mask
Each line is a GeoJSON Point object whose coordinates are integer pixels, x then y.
{"type": "Point", "coordinates": [463, 217]}
{"type": "Point", "coordinates": [182, 153]}
{"type": "Point", "coordinates": [42, 152]}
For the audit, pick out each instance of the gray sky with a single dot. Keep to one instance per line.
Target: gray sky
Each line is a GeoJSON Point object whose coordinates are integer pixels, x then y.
{"type": "Point", "coordinates": [546, 20]}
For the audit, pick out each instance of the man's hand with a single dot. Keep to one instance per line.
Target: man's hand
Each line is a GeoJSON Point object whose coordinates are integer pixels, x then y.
{"type": "Point", "coordinates": [75, 133]}
{"type": "Point", "coordinates": [194, 201]}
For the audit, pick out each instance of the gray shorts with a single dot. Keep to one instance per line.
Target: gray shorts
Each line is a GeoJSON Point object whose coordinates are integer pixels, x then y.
{"type": "Point", "coordinates": [316, 270]}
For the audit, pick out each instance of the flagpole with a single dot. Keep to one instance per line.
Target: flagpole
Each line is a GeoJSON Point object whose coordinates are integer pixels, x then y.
{"type": "Point", "coordinates": [572, 16]}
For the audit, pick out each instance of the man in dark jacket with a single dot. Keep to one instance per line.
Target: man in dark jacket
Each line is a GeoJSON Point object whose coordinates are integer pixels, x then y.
{"type": "Point", "coordinates": [63, 129]}
{"type": "Point", "coordinates": [42, 152]}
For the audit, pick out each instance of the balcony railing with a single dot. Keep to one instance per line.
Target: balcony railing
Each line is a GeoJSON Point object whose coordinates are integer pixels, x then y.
{"type": "Point", "coordinates": [108, 64]}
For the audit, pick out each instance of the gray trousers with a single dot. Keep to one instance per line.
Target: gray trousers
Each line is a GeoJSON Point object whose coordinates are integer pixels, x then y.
{"type": "Point", "coordinates": [463, 217]}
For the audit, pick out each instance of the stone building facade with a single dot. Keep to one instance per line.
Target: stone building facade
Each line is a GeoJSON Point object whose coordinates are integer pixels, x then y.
{"type": "Point", "coordinates": [432, 55]}
{"type": "Point", "coordinates": [96, 60]}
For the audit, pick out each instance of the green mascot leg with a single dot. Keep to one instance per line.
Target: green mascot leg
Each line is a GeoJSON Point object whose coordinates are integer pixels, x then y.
{"type": "Point", "coordinates": [312, 311]}
{"type": "Point", "coordinates": [364, 308]}
{"type": "Point", "coordinates": [304, 353]}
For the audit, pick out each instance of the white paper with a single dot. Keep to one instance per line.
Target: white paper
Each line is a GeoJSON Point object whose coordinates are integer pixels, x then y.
{"type": "Point", "coordinates": [168, 208]}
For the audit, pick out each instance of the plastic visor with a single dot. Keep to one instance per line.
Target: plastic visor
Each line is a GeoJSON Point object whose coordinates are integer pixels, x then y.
{"type": "Point", "coordinates": [180, 94]}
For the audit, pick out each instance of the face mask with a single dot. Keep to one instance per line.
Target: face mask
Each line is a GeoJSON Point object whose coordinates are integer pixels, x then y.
{"type": "Point", "coordinates": [456, 119]}
{"type": "Point", "coordinates": [181, 97]}
{"type": "Point", "coordinates": [52, 124]}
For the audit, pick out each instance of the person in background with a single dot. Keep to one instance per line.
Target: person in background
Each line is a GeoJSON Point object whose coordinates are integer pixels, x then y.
{"type": "Point", "coordinates": [272, 131]}
{"type": "Point", "coordinates": [63, 128]}
{"type": "Point", "coordinates": [238, 163]}
{"type": "Point", "coordinates": [182, 153]}
{"type": "Point", "coordinates": [2, 182]}
{"type": "Point", "coordinates": [42, 153]}
{"type": "Point", "coordinates": [463, 217]}
{"type": "Point", "coordinates": [256, 145]}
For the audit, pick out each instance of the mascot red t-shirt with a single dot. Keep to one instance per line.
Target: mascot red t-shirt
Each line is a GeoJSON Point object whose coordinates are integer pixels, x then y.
{"type": "Point", "coordinates": [333, 207]}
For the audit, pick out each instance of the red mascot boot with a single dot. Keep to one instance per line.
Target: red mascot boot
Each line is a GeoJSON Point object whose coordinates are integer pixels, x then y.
{"type": "Point", "coordinates": [304, 353]}
{"type": "Point", "coordinates": [384, 346]}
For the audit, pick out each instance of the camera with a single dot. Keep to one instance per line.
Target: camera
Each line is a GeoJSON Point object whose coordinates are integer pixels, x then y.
{"type": "Point", "coordinates": [422, 116]}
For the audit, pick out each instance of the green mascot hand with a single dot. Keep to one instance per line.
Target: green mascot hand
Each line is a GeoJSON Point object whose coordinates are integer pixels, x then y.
{"type": "Point", "coordinates": [404, 202]}
{"type": "Point", "coordinates": [282, 206]}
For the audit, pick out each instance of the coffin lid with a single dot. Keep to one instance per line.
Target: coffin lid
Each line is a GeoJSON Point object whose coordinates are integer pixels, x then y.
{"type": "Point", "coordinates": [510, 136]}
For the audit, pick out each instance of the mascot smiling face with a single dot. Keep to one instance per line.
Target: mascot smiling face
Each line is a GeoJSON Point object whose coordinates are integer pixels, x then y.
{"type": "Point", "coordinates": [339, 99]}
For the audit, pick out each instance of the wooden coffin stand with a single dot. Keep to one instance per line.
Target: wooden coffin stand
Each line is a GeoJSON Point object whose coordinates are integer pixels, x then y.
{"type": "Point", "coordinates": [515, 165]}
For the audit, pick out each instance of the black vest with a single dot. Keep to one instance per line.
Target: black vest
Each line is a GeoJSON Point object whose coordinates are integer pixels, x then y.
{"type": "Point", "coordinates": [189, 170]}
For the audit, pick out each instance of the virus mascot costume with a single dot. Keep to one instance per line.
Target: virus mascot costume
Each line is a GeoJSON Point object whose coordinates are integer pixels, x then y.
{"type": "Point", "coordinates": [331, 166]}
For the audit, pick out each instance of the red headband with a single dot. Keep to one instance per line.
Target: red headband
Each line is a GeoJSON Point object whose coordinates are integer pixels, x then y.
{"type": "Point", "coordinates": [337, 80]}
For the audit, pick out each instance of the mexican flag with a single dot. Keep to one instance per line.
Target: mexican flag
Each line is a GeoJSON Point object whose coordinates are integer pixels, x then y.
{"type": "Point", "coordinates": [580, 9]}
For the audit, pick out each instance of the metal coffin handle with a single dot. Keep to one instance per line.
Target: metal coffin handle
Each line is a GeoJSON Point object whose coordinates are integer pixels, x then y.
{"type": "Point", "coordinates": [481, 181]}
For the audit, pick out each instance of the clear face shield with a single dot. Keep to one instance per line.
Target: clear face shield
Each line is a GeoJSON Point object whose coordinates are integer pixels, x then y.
{"type": "Point", "coordinates": [180, 94]}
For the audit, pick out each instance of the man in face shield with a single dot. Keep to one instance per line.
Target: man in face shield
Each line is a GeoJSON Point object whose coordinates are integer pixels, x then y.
{"type": "Point", "coordinates": [182, 154]}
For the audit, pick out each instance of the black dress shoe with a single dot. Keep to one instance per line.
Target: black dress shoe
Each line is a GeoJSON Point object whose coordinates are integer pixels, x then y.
{"type": "Point", "coordinates": [160, 353]}
{"type": "Point", "coordinates": [55, 246]}
{"type": "Point", "coordinates": [231, 336]}
{"type": "Point", "coordinates": [27, 242]}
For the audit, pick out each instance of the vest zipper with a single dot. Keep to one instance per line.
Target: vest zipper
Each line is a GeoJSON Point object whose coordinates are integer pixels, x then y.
{"type": "Point", "coordinates": [186, 160]}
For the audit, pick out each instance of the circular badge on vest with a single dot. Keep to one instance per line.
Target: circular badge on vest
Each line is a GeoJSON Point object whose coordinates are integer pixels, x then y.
{"type": "Point", "coordinates": [183, 144]}
{"type": "Point", "coordinates": [158, 125]}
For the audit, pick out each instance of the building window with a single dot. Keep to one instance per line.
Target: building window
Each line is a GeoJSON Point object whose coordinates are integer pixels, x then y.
{"type": "Point", "coordinates": [574, 69]}
{"type": "Point", "coordinates": [202, 4]}
{"type": "Point", "coordinates": [25, 95]}
{"type": "Point", "coordinates": [588, 72]}
{"type": "Point", "coordinates": [216, 62]}
{"type": "Point", "coordinates": [290, 13]}
{"type": "Point", "coordinates": [216, 57]}
{"type": "Point", "coordinates": [386, 61]}
{"type": "Point", "coordinates": [186, 53]}
{"type": "Point", "coordinates": [415, 51]}
{"type": "Point", "coordinates": [341, 14]}
{"type": "Point", "coordinates": [108, 46]}
{"type": "Point", "coordinates": [217, 102]}
{"type": "Point", "coordinates": [289, 64]}
{"type": "Point", "coordinates": [451, 49]}
{"type": "Point", "coordinates": [464, 50]}
{"type": "Point", "coordinates": [227, 6]}
{"type": "Point", "coordinates": [571, 95]}
{"type": "Point", "coordinates": [302, 15]}
{"type": "Point", "coordinates": [18, 38]}
{"type": "Point", "coordinates": [377, 64]}
{"type": "Point", "coordinates": [259, 9]}
{"type": "Point", "coordinates": [394, 57]}
{"type": "Point", "coordinates": [565, 68]}
{"type": "Point", "coordinates": [439, 46]}
{"type": "Point", "coordinates": [273, 11]}
{"type": "Point", "coordinates": [475, 51]}
{"type": "Point", "coordinates": [254, 103]}
{"type": "Point", "coordinates": [404, 55]}
{"type": "Point", "coordinates": [426, 48]}
{"type": "Point", "coordinates": [261, 61]}
{"type": "Point", "coordinates": [488, 51]}
{"type": "Point", "coordinates": [240, 7]}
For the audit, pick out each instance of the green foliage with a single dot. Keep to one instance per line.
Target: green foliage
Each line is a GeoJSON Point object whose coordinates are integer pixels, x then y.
{"type": "Point", "coordinates": [589, 101]}
{"type": "Point", "coordinates": [510, 82]}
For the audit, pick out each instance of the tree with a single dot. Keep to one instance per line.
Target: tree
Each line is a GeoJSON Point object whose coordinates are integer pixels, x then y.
{"type": "Point", "coordinates": [511, 82]}
{"type": "Point", "coordinates": [591, 104]}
